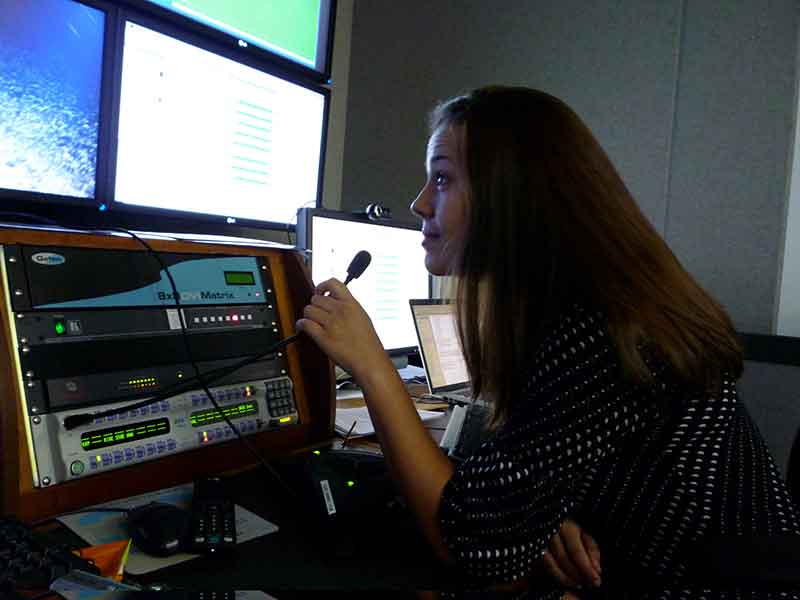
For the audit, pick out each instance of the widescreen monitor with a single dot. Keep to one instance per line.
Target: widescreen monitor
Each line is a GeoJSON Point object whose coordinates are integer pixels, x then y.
{"type": "Point", "coordinates": [297, 30]}
{"type": "Point", "coordinates": [51, 57]}
{"type": "Point", "coordinates": [396, 274]}
{"type": "Point", "coordinates": [205, 135]}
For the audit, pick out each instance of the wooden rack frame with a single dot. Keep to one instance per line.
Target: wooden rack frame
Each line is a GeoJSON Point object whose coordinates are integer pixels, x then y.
{"type": "Point", "coordinates": [310, 370]}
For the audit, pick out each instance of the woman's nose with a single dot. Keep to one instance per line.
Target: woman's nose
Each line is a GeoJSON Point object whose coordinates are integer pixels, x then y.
{"type": "Point", "coordinates": [421, 206]}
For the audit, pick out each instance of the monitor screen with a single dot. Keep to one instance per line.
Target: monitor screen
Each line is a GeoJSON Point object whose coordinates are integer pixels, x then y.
{"type": "Point", "coordinates": [294, 29]}
{"type": "Point", "coordinates": [51, 56]}
{"type": "Point", "coordinates": [203, 134]}
{"type": "Point", "coordinates": [439, 344]}
{"type": "Point", "coordinates": [396, 274]}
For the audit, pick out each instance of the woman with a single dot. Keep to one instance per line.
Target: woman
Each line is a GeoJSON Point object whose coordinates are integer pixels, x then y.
{"type": "Point", "coordinates": [610, 371]}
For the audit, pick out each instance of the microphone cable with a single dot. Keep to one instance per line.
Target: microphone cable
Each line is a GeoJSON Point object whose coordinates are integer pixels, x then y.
{"type": "Point", "coordinates": [198, 378]}
{"type": "Point", "coordinates": [356, 268]}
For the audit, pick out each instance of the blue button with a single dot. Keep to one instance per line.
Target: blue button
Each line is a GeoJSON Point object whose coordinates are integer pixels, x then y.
{"type": "Point", "coordinates": [129, 454]}
{"type": "Point", "coordinates": [151, 449]}
{"type": "Point", "coordinates": [165, 406]}
{"type": "Point", "coordinates": [161, 446]}
{"type": "Point", "coordinates": [139, 451]}
{"type": "Point", "coordinates": [171, 444]}
{"type": "Point", "coordinates": [154, 408]}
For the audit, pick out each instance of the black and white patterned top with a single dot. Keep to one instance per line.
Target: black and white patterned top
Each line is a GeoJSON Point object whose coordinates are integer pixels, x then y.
{"type": "Point", "coordinates": [643, 468]}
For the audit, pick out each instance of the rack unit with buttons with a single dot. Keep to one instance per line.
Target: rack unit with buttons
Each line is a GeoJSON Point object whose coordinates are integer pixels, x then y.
{"type": "Point", "coordinates": [90, 323]}
{"type": "Point", "coordinates": [185, 422]}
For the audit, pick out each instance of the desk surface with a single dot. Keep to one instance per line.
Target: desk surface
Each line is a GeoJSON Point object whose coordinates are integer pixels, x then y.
{"type": "Point", "coordinates": [381, 553]}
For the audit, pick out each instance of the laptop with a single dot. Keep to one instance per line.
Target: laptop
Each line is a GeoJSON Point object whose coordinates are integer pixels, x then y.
{"type": "Point", "coordinates": [440, 349]}
{"type": "Point", "coordinates": [448, 378]}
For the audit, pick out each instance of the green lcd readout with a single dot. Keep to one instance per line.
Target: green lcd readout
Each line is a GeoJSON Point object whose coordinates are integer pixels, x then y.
{"type": "Point", "coordinates": [122, 434]}
{"type": "Point", "coordinates": [240, 278]}
{"type": "Point", "coordinates": [236, 411]}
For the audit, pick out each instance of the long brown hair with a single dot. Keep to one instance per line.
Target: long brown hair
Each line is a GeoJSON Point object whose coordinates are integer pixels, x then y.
{"type": "Point", "coordinates": [550, 221]}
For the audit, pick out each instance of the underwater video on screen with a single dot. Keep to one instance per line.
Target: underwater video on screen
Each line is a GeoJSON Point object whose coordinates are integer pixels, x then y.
{"type": "Point", "coordinates": [51, 54]}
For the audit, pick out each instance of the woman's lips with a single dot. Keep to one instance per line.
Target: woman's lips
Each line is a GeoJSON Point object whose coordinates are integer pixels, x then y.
{"type": "Point", "coordinates": [428, 240]}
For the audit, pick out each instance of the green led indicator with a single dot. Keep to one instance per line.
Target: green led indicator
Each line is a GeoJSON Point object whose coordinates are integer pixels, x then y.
{"type": "Point", "coordinates": [317, 452]}
{"type": "Point", "coordinates": [60, 329]}
{"type": "Point", "coordinates": [351, 483]}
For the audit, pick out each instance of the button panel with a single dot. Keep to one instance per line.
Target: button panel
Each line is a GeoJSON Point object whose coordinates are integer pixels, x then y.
{"type": "Point", "coordinates": [185, 422]}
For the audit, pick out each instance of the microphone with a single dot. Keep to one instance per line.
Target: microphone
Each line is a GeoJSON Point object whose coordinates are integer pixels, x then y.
{"type": "Point", "coordinates": [358, 265]}
{"type": "Point", "coordinates": [356, 268]}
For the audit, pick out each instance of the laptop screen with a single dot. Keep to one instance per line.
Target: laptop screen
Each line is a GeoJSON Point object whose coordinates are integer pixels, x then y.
{"type": "Point", "coordinates": [439, 346]}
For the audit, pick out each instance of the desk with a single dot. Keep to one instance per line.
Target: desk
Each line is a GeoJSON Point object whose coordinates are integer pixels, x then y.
{"type": "Point", "coordinates": [353, 398]}
{"type": "Point", "coordinates": [386, 555]}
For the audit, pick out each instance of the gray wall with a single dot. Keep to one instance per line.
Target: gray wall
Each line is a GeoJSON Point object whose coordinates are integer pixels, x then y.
{"type": "Point", "coordinates": [693, 100]}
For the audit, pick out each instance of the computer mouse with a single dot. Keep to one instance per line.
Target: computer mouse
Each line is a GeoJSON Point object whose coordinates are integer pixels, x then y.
{"type": "Point", "coordinates": [158, 529]}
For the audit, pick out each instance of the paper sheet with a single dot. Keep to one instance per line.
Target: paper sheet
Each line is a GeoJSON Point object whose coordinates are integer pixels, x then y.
{"type": "Point", "coordinates": [345, 417]}
{"type": "Point", "coordinates": [105, 527]}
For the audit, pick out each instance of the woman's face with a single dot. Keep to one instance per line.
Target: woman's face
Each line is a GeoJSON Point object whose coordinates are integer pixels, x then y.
{"type": "Point", "coordinates": [442, 202]}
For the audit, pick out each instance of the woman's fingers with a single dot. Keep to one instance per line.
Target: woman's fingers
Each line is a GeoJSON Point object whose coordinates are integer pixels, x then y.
{"type": "Point", "coordinates": [552, 567]}
{"type": "Point", "coordinates": [572, 537]}
{"type": "Point", "coordinates": [324, 302]}
{"type": "Point", "coordinates": [317, 315]}
{"type": "Point", "coordinates": [334, 288]}
{"type": "Point", "coordinates": [563, 559]}
{"type": "Point", "coordinates": [593, 549]}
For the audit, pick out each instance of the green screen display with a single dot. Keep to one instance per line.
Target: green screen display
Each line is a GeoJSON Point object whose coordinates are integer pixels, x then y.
{"type": "Point", "coordinates": [111, 436]}
{"type": "Point", "coordinates": [240, 278]}
{"type": "Point", "coordinates": [288, 27]}
{"type": "Point", "coordinates": [207, 417]}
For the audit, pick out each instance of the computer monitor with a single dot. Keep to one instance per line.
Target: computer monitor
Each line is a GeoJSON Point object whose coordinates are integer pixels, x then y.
{"type": "Point", "coordinates": [439, 345]}
{"type": "Point", "coordinates": [396, 274]}
{"type": "Point", "coordinates": [51, 61]}
{"type": "Point", "coordinates": [202, 134]}
{"type": "Point", "coordinates": [297, 31]}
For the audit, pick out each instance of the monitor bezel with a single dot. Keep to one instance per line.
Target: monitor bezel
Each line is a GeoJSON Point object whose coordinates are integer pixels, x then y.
{"type": "Point", "coordinates": [432, 302]}
{"type": "Point", "coordinates": [304, 232]}
{"type": "Point", "coordinates": [101, 210]}
{"type": "Point", "coordinates": [23, 201]}
{"type": "Point", "coordinates": [252, 51]}
{"type": "Point", "coordinates": [152, 217]}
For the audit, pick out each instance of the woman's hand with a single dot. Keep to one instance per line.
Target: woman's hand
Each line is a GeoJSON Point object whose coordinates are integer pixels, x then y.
{"type": "Point", "coordinates": [573, 557]}
{"type": "Point", "coordinates": [342, 329]}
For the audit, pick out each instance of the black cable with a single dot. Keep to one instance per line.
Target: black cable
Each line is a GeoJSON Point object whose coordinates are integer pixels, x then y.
{"type": "Point", "coordinates": [185, 385]}
{"type": "Point", "coordinates": [180, 387]}
{"type": "Point", "coordinates": [184, 335]}
{"type": "Point", "coordinates": [199, 376]}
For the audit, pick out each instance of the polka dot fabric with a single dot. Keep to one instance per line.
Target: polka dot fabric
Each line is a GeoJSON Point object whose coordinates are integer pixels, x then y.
{"type": "Point", "coordinates": [646, 469]}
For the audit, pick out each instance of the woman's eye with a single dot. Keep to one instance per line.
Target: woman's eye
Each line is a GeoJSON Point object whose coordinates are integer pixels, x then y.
{"type": "Point", "coordinates": [440, 179]}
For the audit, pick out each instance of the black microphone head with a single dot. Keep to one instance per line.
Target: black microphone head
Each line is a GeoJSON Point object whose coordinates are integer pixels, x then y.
{"type": "Point", "coordinates": [359, 264]}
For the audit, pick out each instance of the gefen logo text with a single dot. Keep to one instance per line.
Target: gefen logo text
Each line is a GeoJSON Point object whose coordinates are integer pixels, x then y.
{"type": "Point", "coordinates": [48, 259]}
